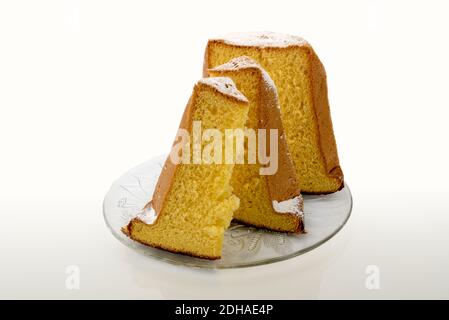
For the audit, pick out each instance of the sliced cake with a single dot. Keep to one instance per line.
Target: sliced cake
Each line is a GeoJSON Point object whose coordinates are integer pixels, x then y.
{"type": "Point", "coordinates": [193, 204]}
{"type": "Point", "coordinates": [269, 199]}
{"type": "Point", "coordinates": [300, 79]}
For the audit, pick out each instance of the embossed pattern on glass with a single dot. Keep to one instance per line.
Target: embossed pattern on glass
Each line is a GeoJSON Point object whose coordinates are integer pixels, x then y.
{"type": "Point", "coordinates": [243, 246]}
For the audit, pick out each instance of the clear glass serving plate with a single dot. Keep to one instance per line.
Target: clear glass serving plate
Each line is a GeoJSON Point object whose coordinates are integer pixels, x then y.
{"type": "Point", "coordinates": [243, 246]}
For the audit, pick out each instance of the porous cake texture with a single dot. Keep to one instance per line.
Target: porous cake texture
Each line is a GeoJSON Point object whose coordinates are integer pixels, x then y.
{"type": "Point", "coordinates": [271, 201]}
{"type": "Point", "coordinates": [300, 79]}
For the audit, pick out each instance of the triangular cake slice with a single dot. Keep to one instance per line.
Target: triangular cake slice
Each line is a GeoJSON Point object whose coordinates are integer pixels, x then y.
{"type": "Point", "coordinates": [270, 200]}
{"type": "Point", "coordinates": [193, 204]}
{"type": "Point", "coordinates": [300, 79]}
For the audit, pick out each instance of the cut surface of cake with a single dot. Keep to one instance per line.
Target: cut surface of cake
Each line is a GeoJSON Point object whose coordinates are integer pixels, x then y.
{"type": "Point", "coordinates": [193, 203]}
{"type": "Point", "coordinates": [301, 82]}
{"type": "Point", "coordinates": [272, 201]}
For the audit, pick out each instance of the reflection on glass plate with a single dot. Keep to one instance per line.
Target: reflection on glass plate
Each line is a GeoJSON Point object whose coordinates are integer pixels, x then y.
{"type": "Point", "coordinates": [243, 246]}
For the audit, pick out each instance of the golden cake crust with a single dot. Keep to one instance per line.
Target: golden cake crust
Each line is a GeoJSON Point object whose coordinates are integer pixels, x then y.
{"type": "Point", "coordinates": [283, 185]}
{"type": "Point", "coordinates": [263, 41]}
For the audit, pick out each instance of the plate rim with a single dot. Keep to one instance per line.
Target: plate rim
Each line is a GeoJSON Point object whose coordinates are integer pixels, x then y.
{"type": "Point", "coordinates": [135, 245]}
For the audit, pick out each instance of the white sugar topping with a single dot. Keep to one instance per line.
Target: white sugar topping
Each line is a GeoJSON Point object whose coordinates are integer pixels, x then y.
{"type": "Point", "coordinates": [147, 215]}
{"type": "Point", "coordinates": [224, 85]}
{"type": "Point", "coordinates": [289, 206]}
{"type": "Point", "coordinates": [245, 62]}
{"type": "Point", "coordinates": [241, 62]}
{"type": "Point", "coordinates": [262, 39]}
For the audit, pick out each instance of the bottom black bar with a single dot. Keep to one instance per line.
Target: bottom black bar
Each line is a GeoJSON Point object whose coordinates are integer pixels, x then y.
{"type": "Point", "coordinates": [212, 309]}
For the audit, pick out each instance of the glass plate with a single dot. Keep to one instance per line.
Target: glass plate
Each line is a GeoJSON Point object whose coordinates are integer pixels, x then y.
{"type": "Point", "coordinates": [243, 246]}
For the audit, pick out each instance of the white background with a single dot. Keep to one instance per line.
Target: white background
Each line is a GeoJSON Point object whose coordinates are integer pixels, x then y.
{"type": "Point", "coordinates": [89, 89]}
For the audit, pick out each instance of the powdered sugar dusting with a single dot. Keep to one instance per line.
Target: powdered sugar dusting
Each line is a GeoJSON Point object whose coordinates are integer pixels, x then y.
{"type": "Point", "coordinates": [224, 85]}
{"type": "Point", "coordinates": [262, 39]}
{"type": "Point", "coordinates": [245, 62]}
{"type": "Point", "coordinates": [147, 215]}
{"type": "Point", "coordinates": [242, 62]}
{"type": "Point", "coordinates": [289, 206]}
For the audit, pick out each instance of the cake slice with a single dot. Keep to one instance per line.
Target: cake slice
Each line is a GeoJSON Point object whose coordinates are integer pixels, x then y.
{"type": "Point", "coordinates": [193, 204]}
{"type": "Point", "coordinates": [300, 79]}
{"type": "Point", "coordinates": [270, 200]}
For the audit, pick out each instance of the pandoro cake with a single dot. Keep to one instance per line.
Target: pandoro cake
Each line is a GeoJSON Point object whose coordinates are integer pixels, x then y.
{"type": "Point", "coordinates": [193, 203]}
{"type": "Point", "coordinates": [273, 200]}
{"type": "Point", "coordinates": [301, 83]}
